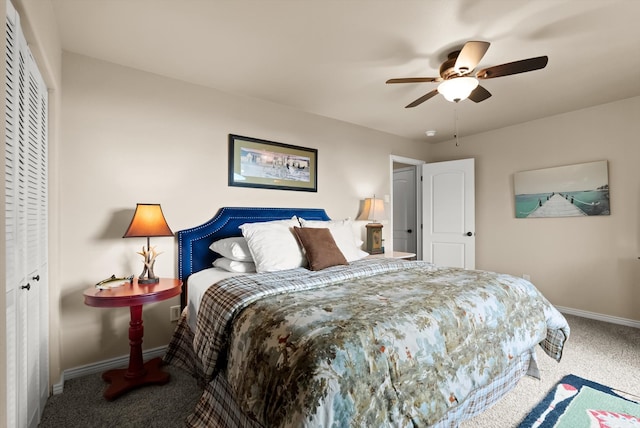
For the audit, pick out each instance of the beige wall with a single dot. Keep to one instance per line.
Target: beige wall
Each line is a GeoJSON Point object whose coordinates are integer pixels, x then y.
{"type": "Point", "coordinates": [129, 136]}
{"type": "Point", "coordinates": [588, 264]}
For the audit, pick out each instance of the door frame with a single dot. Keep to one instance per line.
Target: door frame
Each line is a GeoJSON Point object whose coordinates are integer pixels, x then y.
{"type": "Point", "coordinates": [417, 163]}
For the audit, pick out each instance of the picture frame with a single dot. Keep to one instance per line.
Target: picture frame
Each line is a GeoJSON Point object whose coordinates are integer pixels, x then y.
{"type": "Point", "coordinates": [258, 163]}
{"type": "Point", "coordinates": [577, 190]}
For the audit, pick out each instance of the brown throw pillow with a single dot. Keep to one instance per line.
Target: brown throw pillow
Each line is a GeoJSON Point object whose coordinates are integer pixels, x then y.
{"type": "Point", "coordinates": [320, 247]}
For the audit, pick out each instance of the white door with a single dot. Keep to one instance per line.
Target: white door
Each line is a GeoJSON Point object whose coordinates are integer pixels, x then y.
{"type": "Point", "coordinates": [448, 206]}
{"type": "Point", "coordinates": [404, 210]}
{"type": "Point", "coordinates": [26, 217]}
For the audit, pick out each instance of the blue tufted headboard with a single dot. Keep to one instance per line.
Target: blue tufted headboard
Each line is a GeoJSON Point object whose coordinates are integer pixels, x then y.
{"type": "Point", "coordinates": [193, 244]}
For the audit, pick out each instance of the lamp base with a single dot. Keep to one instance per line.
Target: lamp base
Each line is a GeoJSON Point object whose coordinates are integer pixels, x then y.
{"type": "Point", "coordinates": [374, 238]}
{"type": "Point", "coordinates": [148, 280]}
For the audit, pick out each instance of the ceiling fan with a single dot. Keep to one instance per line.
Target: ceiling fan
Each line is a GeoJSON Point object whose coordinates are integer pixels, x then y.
{"type": "Point", "coordinates": [457, 81]}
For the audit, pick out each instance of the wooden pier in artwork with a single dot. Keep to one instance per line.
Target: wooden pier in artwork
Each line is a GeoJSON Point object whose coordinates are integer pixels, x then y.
{"type": "Point", "coordinates": [557, 206]}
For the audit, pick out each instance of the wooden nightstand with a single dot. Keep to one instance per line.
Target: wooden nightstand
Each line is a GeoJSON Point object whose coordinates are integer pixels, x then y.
{"type": "Point", "coordinates": [133, 295]}
{"type": "Point", "coordinates": [392, 255]}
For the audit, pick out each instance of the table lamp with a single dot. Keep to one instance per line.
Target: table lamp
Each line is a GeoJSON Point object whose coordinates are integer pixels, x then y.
{"type": "Point", "coordinates": [373, 210]}
{"type": "Point", "coordinates": [148, 221]}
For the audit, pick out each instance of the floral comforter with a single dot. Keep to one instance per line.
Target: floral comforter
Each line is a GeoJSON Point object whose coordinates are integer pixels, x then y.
{"type": "Point", "coordinates": [378, 343]}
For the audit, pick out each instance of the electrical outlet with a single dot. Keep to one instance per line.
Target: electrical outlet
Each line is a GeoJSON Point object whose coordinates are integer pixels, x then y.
{"type": "Point", "coordinates": [526, 276]}
{"type": "Point", "coordinates": [174, 313]}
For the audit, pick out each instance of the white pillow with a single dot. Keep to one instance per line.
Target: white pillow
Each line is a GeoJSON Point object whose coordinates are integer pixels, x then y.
{"type": "Point", "coordinates": [233, 248]}
{"type": "Point", "coordinates": [234, 266]}
{"type": "Point", "coordinates": [273, 245]}
{"type": "Point", "coordinates": [344, 235]}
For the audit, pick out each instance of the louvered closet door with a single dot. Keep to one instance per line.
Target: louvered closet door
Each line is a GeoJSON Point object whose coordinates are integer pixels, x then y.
{"type": "Point", "coordinates": [25, 231]}
{"type": "Point", "coordinates": [12, 82]}
{"type": "Point", "coordinates": [35, 314]}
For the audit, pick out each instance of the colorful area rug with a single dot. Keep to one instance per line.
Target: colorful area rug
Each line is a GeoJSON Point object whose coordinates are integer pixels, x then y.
{"type": "Point", "coordinates": [580, 403]}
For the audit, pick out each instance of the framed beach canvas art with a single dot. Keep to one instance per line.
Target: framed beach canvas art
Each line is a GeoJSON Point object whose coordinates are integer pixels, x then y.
{"type": "Point", "coordinates": [566, 191]}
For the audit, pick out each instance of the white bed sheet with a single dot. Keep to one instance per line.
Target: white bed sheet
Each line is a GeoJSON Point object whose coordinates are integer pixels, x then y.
{"type": "Point", "coordinates": [198, 284]}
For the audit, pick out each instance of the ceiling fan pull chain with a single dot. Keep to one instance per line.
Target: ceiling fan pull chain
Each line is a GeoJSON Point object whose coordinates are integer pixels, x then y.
{"type": "Point", "coordinates": [455, 125]}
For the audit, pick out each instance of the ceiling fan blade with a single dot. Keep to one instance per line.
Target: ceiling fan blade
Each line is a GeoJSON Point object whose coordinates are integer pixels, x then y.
{"type": "Point", "coordinates": [470, 55]}
{"type": "Point", "coordinates": [479, 94]}
{"type": "Point", "coordinates": [414, 80]}
{"type": "Point", "coordinates": [423, 98]}
{"type": "Point", "coordinates": [515, 67]}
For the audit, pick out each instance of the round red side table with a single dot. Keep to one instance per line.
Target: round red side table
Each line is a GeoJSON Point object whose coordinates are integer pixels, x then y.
{"type": "Point", "coordinates": [133, 295]}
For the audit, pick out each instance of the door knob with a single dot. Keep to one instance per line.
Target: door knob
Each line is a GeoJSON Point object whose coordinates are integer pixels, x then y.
{"type": "Point", "coordinates": [27, 287]}
{"type": "Point", "coordinates": [409, 231]}
{"type": "Point", "coordinates": [469, 234]}
{"type": "Point", "coordinates": [36, 278]}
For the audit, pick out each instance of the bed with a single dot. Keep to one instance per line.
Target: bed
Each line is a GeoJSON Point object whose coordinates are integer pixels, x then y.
{"type": "Point", "coordinates": [327, 337]}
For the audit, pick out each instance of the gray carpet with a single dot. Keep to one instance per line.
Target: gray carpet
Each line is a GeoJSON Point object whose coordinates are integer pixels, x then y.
{"type": "Point", "coordinates": [156, 406]}
{"type": "Point", "coordinates": [605, 353]}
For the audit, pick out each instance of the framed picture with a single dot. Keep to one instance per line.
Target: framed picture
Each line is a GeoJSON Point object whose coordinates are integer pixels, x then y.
{"type": "Point", "coordinates": [566, 191]}
{"type": "Point", "coordinates": [270, 165]}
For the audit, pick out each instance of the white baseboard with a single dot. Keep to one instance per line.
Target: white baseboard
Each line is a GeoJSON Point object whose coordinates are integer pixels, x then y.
{"type": "Point", "coordinates": [102, 366]}
{"type": "Point", "coordinates": [599, 317]}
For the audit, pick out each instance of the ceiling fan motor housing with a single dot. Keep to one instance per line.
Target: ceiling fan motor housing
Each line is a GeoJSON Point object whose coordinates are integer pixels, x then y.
{"type": "Point", "coordinates": [448, 70]}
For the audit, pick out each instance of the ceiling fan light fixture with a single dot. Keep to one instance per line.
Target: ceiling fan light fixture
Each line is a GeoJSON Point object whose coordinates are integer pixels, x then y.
{"type": "Point", "coordinates": [457, 89]}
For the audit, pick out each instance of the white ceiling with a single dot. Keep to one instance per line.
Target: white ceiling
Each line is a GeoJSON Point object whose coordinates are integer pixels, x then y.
{"type": "Point", "coordinates": [332, 57]}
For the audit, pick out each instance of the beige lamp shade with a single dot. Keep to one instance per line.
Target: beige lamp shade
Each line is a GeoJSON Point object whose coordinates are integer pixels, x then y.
{"type": "Point", "coordinates": [373, 210]}
{"type": "Point", "coordinates": [148, 220]}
